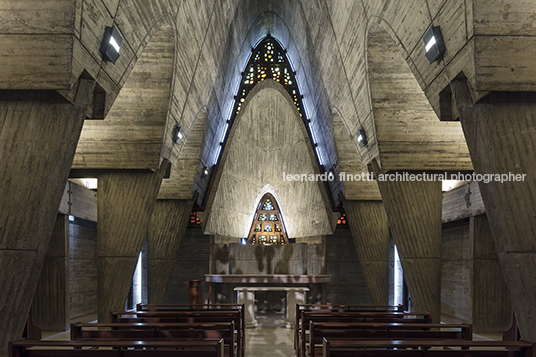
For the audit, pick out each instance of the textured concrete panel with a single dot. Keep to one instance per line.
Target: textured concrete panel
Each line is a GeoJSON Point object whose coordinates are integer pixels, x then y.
{"type": "Point", "coordinates": [348, 284]}
{"type": "Point", "coordinates": [456, 273]}
{"type": "Point", "coordinates": [267, 142]}
{"type": "Point", "coordinates": [414, 212]}
{"type": "Point", "coordinates": [82, 270]}
{"type": "Point", "coordinates": [370, 228]}
{"type": "Point", "coordinates": [192, 263]}
{"type": "Point", "coordinates": [166, 229]}
{"type": "Point", "coordinates": [501, 134]}
{"type": "Point", "coordinates": [38, 136]}
{"type": "Point", "coordinates": [125, 204]}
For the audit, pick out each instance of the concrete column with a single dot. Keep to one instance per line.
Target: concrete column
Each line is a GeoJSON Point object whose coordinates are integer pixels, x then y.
{"type": "Point", "coordinates": [247, 297]}
{"type": "Point", "coordinates": [166, 230]}
{"type": "Point", "coordinates": [414, 212]}
{"type": "Point", "coordinates": [489, 291]}
{"type": "Point", "coordinates": [125, 204]}
{"type": "Point", "coordinates": [39, 131]}
{"type": "Point", "coordinates": [294, 296]}
{"type": "Point", "coordinates": [370, 230]}
{"type": "Point", "coordinates": [51, 299]}
{"type": "Point", "coordinates": [500, 131]}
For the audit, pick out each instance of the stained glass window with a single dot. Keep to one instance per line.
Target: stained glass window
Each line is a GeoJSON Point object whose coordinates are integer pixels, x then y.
{"type": "Point", "coordinates": [194, 219]}
{"type": "Point", "coordinates": [268, 61]}
{"type": "Point", "coordinates": [268, 208]}
{"type": "Point", "coordinates": [342, 222]}
{"type": "Point", "coordinates": [268, 205]}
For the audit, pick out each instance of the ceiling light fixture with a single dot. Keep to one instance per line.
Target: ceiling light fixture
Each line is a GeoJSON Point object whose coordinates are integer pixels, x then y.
{"type": "Point", "coordinates": [361, 138]}
{"type": "Point", "coordinates": [177, 134]}
{"type": "Point", "coordinates": [433, 44]}
{"type": "Point", "coordinates": [111, 44]}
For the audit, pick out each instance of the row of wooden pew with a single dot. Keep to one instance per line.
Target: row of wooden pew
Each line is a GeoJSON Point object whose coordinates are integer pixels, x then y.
{"type": "Point", "coordinates": [152, 330]}
{"type": "Point", "coordinates": [384, 331]}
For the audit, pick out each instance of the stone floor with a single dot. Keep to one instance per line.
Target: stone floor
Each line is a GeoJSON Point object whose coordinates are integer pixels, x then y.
{"type": "Point", "coordinates": [270, 338]}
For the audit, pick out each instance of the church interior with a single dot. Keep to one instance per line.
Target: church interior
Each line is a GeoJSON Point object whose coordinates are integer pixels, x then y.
{"type": "Point", "coordinates": [266, 154]}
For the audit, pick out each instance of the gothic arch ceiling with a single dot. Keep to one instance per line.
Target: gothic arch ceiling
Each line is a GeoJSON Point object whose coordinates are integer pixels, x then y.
{"type": "Point", "coordinates": [326, 40]}
{"type": "Point", "coordinates": [331, 48]}
{"type": "Point", "coordinates": [267, 141]}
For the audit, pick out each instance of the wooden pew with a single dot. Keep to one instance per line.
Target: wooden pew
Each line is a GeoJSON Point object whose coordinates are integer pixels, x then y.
{"type": "Point", "coordinates": [383, 331]}
{"type": "Point", "coordinates": [512, 333]}
{"type": "Point", "coordinates": [427, 348]}
{"type": "Point", "coordinates": [151, 332]}
{"type": "Point", "coordinates": [186, 316]}
{"type": "Point", "coordinates": [31, 330]}
{"type": "Point", "coordinates": [164, 307]}
{"type": "Point", "coordinates": [328, 308]}
{"type": "Point", "coordinates": [49, 348]}
{"type": "Point", "coordinates": [355, 316]}
{"type": "Point", "coordinates": [196, 307]}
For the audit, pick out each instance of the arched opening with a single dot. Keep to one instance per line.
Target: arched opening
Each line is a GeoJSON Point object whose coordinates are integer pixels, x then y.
{"type": "Point", "coordinates": [268, 226]}
{"type": "Point", "coordinates": [131, 135]}
{"type": "Point", "coordinates": [267, 143]}
{"type": "Point", "coordinates": [269, 60]}
{"type": "Point", "coordinates": [409, 133]}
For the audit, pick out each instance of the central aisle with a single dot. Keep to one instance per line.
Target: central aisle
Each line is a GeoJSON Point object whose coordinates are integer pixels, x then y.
{"type": "Point", "coordinates": [270, 338]}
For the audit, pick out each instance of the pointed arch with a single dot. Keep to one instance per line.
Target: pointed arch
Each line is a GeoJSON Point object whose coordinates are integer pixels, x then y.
{"type": "Point", "coordinates": [250, 166]}
{"type": "Point", "coordinates": [269, 60]}
{"type": "Point", "coordinates": [268, 226]}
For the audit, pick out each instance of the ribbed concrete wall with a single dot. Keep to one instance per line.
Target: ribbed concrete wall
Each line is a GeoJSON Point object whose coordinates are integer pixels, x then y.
{"type": "Point", "coordinates": [166, 229]}
{"type": "Point", "coordinates": [268, 141]}
{"type": "Point", "coordinates": [125, 204]}
{"type": "Point", "coordinates": [414, 212]}
{"type": "Point", "coordinates": [501, 134]}
{"type": "Point", "coordinates": [38, 135]}
{"type": "Point", "coordinates": [370, 230]}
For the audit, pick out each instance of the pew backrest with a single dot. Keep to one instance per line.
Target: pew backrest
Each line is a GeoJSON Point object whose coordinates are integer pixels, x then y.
{"type": "Point", "coordinates": [164, 307]}
{"type": "Point", "coordinates": [428, 348]}
{"type": "Point", "coordinates": [161, 348]}
{"type": "Point", "coordinates": [356, 316]}
{"type": "Point", "coordinates": [385, 331]}
{"type": "Point", "coordinates": [150, 332]}
{"type": "Point", "coordinates": [333, 308]}
{"type": "Point", "coordinates": [186, 316]}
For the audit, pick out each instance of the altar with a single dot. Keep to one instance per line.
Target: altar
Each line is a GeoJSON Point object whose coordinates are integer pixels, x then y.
{"type": "Point", "coordinates": [241, 288]}
{"type": "Point", "coordinates": [246, 296]}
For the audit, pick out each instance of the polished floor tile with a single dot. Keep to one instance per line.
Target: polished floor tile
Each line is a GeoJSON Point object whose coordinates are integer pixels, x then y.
{"type": "Point", "coordinates": [270, 338]}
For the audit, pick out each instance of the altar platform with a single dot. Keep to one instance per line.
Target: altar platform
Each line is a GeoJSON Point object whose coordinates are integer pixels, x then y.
{"type": "Point", "coordinates": [267, 279]}
{"type": "Point", "coordinates": [222, 286]}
